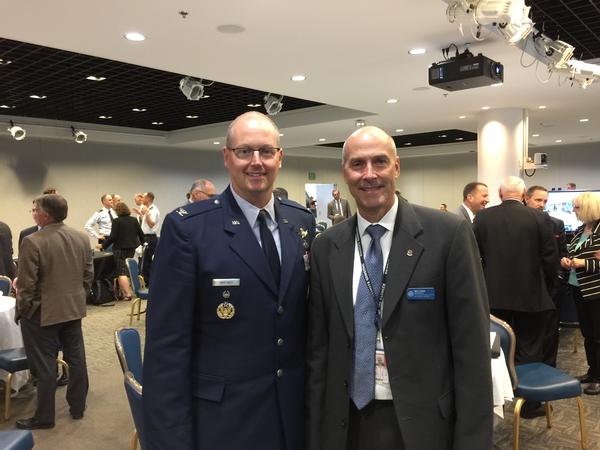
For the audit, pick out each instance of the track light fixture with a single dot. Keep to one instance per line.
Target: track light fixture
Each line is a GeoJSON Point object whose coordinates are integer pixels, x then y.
{"type": "Point", "coordinates": [193, 88]}
{"type": "Point", "coordinates": [273, 103]}
{"type": "Point", "coordinates": [16, 131]}
{"type": "Point", "coordinates": [80, 136]}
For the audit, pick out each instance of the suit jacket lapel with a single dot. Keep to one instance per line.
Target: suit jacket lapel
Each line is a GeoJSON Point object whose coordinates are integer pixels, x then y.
{"type": "Point", "coordinates": [243, 241]}
{"type": "Point", "coordinates": [342, 260]}
{"type": "Point", "coordinates": [403, 258]}
{"type": "Point", "coordinates": [289, 250]}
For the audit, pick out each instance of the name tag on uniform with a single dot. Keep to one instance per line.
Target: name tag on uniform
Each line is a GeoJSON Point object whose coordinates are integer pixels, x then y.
{"type": "Point", "coordinates": [421, 294]}
{"type": "Point", "coordinates": [226, 282]}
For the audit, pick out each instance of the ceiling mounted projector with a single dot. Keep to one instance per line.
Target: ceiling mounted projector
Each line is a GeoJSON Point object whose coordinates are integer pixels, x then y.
{"type": "Point", "coordinates": [273, 103]}
{"type": "Point", "coordinates": [193, 88]}
{"type": "Point", "coordinates": [465, 72]}
{"type": "Point", "coordinates": [16, 131]}
{"type": "Point", "coordinates": [80, 136]}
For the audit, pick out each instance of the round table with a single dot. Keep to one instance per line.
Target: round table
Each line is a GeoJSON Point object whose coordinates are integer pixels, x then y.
{"type": "Point", "coordinates": [10, 337]}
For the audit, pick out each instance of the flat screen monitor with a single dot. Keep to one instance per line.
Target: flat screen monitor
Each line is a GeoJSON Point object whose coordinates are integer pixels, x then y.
{"type": "Point", "coordinates": [560, 205]}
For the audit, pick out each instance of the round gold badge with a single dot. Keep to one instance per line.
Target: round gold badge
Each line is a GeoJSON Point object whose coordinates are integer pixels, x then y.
{"type": "Point", "coordinates": [225, 311]}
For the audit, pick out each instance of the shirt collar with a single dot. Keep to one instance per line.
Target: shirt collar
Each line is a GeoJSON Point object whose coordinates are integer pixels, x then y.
{"type": "Point", "coordinates": [251, 212]}
{"type": "Point", "coordinates": [386, 221]}
{"type": "Point", "coordinates": [469, 212]}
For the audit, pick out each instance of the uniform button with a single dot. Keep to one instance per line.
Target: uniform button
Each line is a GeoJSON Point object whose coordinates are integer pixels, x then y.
{"type": "Point", "coordinates": [280, 310]}
{"type": "Point", "coordinates": [386, 338]}
{"type": "Point", "coordinates": [345, 383]}
{"type": "Point", "coordinates": [279, 342]}
{"type": "Point", "coordinates": [279, 373]}
{"type": "Point", "coordinates": [343, 423]}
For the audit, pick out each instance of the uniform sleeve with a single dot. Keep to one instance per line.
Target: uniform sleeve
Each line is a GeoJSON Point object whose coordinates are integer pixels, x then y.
{"type": "Point", "coordinates": [469, 326]}
{"type": "Point", "coordinates": [114, 234]}
{"type": "Point", "coordinates": [89, 225]}
{"type": "Point", "coordinates": [167, 406]}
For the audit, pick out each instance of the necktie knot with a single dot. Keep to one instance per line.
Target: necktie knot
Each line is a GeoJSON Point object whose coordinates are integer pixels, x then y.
{"type": "Point", "coordinates": [263, 215]}
{"type": "Point", "coordinates": [376, 231]}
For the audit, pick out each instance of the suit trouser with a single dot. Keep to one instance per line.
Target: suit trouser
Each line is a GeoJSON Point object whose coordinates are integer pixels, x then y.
{"type": "Point", "coordinates": [550, 337]}
{"type": "Point", "coordinates": [41, 346]}
{"type": "Point", "coordinates": [530, 330]}
{"type": "Point", "coordinates": [589, 322]}
{"type": "Point", "coordinates": [152, 241]}
{"type": "Point", "coordinates": [375, 427]}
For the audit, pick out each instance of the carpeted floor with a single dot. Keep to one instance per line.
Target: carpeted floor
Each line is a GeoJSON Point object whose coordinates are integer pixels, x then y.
{"type": "Point", "coordinates": [107, 424]}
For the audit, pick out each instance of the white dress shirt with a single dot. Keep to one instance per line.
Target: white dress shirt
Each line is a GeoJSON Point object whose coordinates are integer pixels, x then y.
{"type": "Point", "coordinates": [102, 219]}
{"type": "Point", "coordinates": [154, 215]}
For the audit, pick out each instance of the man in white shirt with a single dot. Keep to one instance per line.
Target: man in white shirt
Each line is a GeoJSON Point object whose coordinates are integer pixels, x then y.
{"type": "Point", "coordinates": [99, 225]}
{"type": "Point", "coordinates": [475, 198]}
{"type": "Point", "coordinates": [150, 217]}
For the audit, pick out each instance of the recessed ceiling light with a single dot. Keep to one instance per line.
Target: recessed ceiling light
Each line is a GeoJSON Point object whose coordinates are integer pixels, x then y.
{"type": "Point", "coordinates": [442, 136]}
{"type": "Point", "coordinates": [37, 97]}
{"type": "Point", "coordinates": [253, 105]}
{"type": "Point", "coordinates": [417, 51]}
{"type": "Point", "coordinates": [6, 106]}
{"type": "Point", "coordinates": [134, 36]}
{"type": "Point", "coordinates": [584, 120]}
{"type": "Point", "coordinates": [392, 100]}
{"type": "Point", "coordinates": [191, 116]}
{"type": "Point", "coordinates": [216, 142]}
{"type": "Point", "coordinates": [4, 62]}
{"type": "Point", "coordinates": [535, 135]}
{"type": "Point", "coordinates": [95, 78]}
{"type": "Point", "coordinates": [460, 139]}
{"type": "Point", "coordinates": [298, 77]}
{"type": "Point", "coordinates": [485, 108]}
{"type": "Point", "coordinates": [399, 130]}
{"type": "Point", "coordinates": [104, 117]}
{"type": "Point", "coordinates": [462, 117]}
{"type": "Point", "coordinates": [281, 134]}
{"type": "Point", "coordinates": [322, 139]}
{"type": "Point", "coordinates": [158, 123]}
{"type": "Point", "coordinates": [408, 143]}
{"type": "Point", "coordinates": [496, 84]}
{"type": "Point", "coordinates": [542, 107]}
{"type": "Point", "coordinates": [231, 29]}
{"type": "Point", "coordinates": [139, 109]}
{"type": "Point", "coordinates": [558, 141]}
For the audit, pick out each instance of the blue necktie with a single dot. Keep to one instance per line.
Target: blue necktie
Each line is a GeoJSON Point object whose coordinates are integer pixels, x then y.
{"type": "Point", "coordinates": [365, 329]}
{"type": "Point", "coordinates": [268, 245]}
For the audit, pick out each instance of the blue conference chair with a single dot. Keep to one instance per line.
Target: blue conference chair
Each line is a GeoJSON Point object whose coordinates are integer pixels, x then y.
{"type": "Point", "coordinates": [129, 351]}
{"type": "Point", "coordinates": [139, 292]}
{"type": "Point", "coordinates": [5, 285]}
{"type": "Point", "coordinates": [11, 360]}
{"type": "Point", "coordinates": [16, 440]}
{"type": "Point", "coordinates": [536, 382]}
{"type": "Point", "coordinates": [134, 395]}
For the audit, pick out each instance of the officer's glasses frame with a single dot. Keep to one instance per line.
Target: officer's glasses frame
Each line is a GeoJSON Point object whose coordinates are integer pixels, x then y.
{"type": "Point", "coordinates": [246, 153]}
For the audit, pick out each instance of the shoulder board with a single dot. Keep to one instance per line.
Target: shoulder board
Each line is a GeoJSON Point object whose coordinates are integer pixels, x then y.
{"type": "Point", "coordinates": [100, 210]}
{"type": "Point", "coordinates": [293, 204]}
{"type": "Point", "coordinates": [195, 209]}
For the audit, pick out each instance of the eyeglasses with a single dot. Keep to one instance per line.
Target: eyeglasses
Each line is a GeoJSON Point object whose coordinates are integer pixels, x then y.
{"type": "Point", "coordinates": [246, 153]}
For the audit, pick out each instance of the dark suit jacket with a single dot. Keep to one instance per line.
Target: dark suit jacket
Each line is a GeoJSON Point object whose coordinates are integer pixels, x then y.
{"type": "Point", "coordinates": [211, 383]}
{"type": "Point", "coordinates": [55, 274]}
{"type": "Point", "coordinates": [26, 232]}
{"type": "Point", "coordinates": [332, 211]}
{"type": "Point", "coordinates": [438, 352]}
{"type": "Point", "coordinates": [519, 256]}
{"type": "Point", "coordinates": [125, 232]}
{"type": "Point", "coordinates": [7, 267]}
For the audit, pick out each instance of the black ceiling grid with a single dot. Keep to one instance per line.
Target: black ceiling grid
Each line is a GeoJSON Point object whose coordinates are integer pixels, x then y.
{"type": "Point", "coordinates": [406, 141]}
{"type": "Point", "coordinates": [576, 22]}
{"type": "Point", "coordinates": [61, 76]}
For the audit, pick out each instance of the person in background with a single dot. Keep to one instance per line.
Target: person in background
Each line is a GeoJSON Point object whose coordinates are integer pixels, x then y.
{"type": "Point", "coordinates": [475, 198]}
{"type": "Point", "coordinates": [125, 236]}
{"type": "Point", "coordinates": [443, 207]}
{"type": "Point", "coordinates": [150, 216]}
{"type": "Point", "coordinates": [571, 186]}
{"type": "Point", "coordinates": [116, 198]}
{"type": "Point", "coordinates": [101, 219]}
{"type": "Point", "coordinates": [49, 190]}
{"type": "Point", "coordinates": [201, 190]}
{"type": "Point", "coordinates": [7, 267]}
{"type": "Point", "coordinates": [584, 277]}
{"type": "Point", "coordinates": [338, 209]}
{"type": "Point", "coordinates": [55, 274]}
{"type": "Point", "coordinates": [280, 193]}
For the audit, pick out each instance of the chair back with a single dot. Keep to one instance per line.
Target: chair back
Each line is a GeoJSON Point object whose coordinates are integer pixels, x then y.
{"type": "Point", "coordinates": [134, 274]}
{"type": "Point", "coordinates": [508, 343]}
{"type": "Point", "coordinates": [16, 440]}
{"type": "Point", "coordinates": [5, 285]}
{"type": "Point", "coordinates": [129, 351]}
{"type": "Point", "coordinates": [134, 395]}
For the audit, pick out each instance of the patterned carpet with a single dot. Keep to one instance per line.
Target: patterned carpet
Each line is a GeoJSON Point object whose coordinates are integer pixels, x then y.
{"type": "Point", "coordinates": [108, 425]}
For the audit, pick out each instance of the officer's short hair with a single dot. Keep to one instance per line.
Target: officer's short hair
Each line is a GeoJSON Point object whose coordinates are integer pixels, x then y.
{"type": "Point", "coordinates": [534, 188]}
{"type": "Point", "coordinates": [470, 188]}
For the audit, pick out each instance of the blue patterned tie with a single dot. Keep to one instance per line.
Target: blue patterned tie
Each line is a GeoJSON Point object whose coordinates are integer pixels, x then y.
{"type": "Point", "coordinates": [365, 330]}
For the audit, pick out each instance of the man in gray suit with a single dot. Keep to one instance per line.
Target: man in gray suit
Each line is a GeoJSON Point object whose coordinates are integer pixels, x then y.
{"type": "Point", "coordinates": [338, 209]}
{"type": "Point", "coordinates": [475, 198]}
{"type": "Point", "coordinates": [398, 339]}
{"type": "Point", "coordinates": [7, 267]}
{"type": "Point", "coordinates": [55, 275]}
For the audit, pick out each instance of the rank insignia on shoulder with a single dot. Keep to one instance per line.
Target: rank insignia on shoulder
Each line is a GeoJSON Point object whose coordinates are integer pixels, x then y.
{"type": "Point", "coordinates": [235, 222]}
{"type": "Point", "coordinates": [182, 212]}
{"type": "Point", "coordinates": [303, 232]}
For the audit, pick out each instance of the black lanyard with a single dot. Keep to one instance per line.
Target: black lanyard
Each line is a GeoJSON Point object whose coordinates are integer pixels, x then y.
{"type": "Point", "coordinates": [365, 273]}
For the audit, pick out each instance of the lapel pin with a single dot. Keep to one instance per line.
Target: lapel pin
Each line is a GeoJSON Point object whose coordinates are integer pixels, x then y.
{"type": "Point", "coordinates": [284, 220]}
{"type": "Point", "coordinates": [216, 202]}
{"type": "Point", "coordinates": [409, 252]}
{"type": "Point", "coordinates": [235, 222]}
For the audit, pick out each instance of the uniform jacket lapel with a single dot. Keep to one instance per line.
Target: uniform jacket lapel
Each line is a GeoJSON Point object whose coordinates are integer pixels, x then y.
{"type": "Point", "coordinates": [243, 241]}
{"type": "Point", "coordinates": [404, 255]}
{"type": "Point", "coordinates": [289, 249]}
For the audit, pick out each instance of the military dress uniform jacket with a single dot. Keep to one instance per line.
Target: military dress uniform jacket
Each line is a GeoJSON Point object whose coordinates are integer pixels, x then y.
{"type": "Point", "coordinates": [437, 349]}
{"type": "Point", "coordinates": [216, 383]}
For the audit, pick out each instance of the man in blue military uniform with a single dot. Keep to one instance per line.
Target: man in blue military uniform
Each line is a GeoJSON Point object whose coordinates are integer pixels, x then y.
{"type": "Point", "coordinates": [224, 355]}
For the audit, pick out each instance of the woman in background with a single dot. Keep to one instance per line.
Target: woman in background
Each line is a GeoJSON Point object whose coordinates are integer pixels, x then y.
{"type": "Point", "coordinates": [125, 236]}
{"type": "Point", "coordinates": [584, 279]}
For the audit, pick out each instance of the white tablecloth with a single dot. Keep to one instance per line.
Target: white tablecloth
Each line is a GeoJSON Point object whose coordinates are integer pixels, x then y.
{"type": "Point", "coordinates": [10, 337]}
{"type": "Point", "coordinates": [501, 384]}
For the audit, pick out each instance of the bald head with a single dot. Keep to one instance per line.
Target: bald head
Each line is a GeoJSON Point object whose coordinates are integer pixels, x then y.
{"type": "Point", "coordinates": [251, 121]}
{"type": "Point", "coordinates": [512, 188]}
{"type": "Point", "coordinates": [369, 137]}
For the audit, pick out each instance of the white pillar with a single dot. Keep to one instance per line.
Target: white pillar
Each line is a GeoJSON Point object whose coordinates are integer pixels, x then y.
{"type": "Point", "coordinates": [501, 146]}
